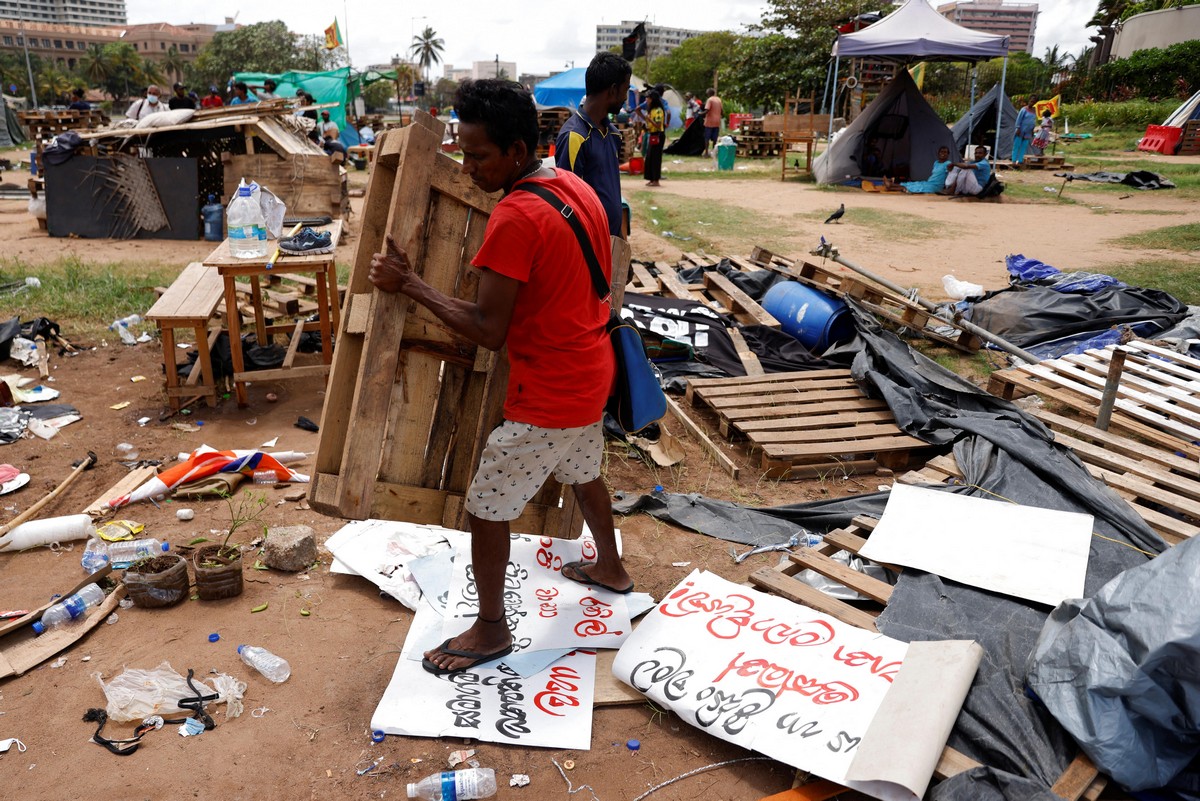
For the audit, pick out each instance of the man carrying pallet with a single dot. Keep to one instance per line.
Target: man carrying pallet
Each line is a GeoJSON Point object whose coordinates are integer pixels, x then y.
{"type": "Point", "coordinates": [536, 297]}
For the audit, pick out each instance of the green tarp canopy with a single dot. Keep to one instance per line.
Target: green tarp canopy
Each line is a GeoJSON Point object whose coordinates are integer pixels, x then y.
{"type": "Point", "coordinates": [336, 86]}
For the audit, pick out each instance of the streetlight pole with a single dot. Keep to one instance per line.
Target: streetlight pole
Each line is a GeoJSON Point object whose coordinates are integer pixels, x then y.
{"type": "Point", "coordinates": [28, 66]}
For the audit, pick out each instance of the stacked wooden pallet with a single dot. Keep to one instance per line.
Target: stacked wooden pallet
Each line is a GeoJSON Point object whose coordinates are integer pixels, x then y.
{"type": "Point", "coordinates": [716, 291]}
{"type": "Point", "coordinates": [805, 424]}
{"type": "Point", "coordinates": [1157, 396]}
{"type": "Point", "coordinates": [753, 141]}
{"type": "Point", "coordinates": [1189, 142]}
{"type": "Point", "coordinates": [1045, 162]}
{"type": "Point", "coordinates": [883, 303]}
{"type": "Point", "coordinates": [550, 122]}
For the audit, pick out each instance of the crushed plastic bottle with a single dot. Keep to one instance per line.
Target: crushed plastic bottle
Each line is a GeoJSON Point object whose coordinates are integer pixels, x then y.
{"type": "Point", "coordinates": [95, 555]}
{"type": "Point", "coordinates": [70, 608]}
{"type": "Point", "coordinates": [455, 785]}
{"type": "Point", "coordinates": [123, 553]}
{"type": "Point", "coordinates": [122, 328]}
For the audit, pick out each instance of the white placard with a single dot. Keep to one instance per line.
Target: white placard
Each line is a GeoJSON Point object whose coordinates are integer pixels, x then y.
{"type": "Point", "coordinates": [551, 709]}
{"type": "Point", "coordinates": [1040, 555]}
{"type": "Point", "coordinates": [381, 550]}
{"type": "Point", "coordinates": [544, 610]}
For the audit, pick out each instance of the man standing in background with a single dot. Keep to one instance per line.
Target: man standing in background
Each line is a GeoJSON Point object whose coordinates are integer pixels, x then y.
{"type": "Point", "coordinates": [714, 110]}
{"type": "Point", "coordinates": [589, 144]}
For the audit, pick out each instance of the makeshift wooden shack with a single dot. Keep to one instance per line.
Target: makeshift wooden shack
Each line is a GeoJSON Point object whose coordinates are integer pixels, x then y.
{"type": "Point", "coordinates": [150, 182]}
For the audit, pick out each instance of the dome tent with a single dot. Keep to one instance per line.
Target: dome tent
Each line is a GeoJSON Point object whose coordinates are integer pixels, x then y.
{"type": "Point", "coordinates": [567, 90]}
{"type": "Point", "coordinates": [982, 116]}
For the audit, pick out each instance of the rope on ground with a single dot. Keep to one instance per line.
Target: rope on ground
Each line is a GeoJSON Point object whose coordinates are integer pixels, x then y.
{"type": "Point", "coordinates": [682, 776]}
{"type": "Point", "coordinates": [571, 789]}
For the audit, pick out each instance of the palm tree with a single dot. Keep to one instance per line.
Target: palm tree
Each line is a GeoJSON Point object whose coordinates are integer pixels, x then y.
{"type": "Point", "coordinates": [151, 71]}
{"type": "Point", "coordinates": [95, 67]}
{"type": "Point", "coordinates": [53, 83]}
{"type": "Point", "coordinates": [173, 63]}
{"type": "Point", "coordinates": [427, 49]}
{"type": "Point", "coordinates": [126, 64]}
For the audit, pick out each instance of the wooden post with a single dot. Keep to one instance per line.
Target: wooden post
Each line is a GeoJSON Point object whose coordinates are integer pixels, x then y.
{"type": "Point", "coordinates": [1111, 384]}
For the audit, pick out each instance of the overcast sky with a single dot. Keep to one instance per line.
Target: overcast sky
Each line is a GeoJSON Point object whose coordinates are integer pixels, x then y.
{"type": "Point", "coordinates": [479, 30]}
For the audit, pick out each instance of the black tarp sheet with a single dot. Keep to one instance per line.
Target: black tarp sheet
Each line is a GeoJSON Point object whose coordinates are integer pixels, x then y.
{"type": "Point", "coordinates": [1138, 179]}
{"type": "Point", "coordinates": [689, 143]}
{"type": "Point", "coordinates": [1028, 315]}
{"type": "Point", "coordinates": [1004, 454]}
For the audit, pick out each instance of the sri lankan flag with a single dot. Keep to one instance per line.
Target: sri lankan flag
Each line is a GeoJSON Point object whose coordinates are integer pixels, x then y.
{"type": "Point", "coordinates": [917, 71]}
{"type": "Point", "coordinates": [333, 36]}
{"type": "Point", "coordinates": [1052, 104]}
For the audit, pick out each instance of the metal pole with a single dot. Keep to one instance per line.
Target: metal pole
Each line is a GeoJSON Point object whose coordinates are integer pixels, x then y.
{"type": "Point", "coordinates": [1000, 113]}
{"type": "Point", "coordinates": [827, 250]}
{"type": "Point", "coordinates": [1111, 384]}
{"type": "Point", "coordinates": [970, 116]}
{"type": "Point", "coordinates": [825, 96]}
{"type": "Point", "coordinates": [28, 66]}
{"type": "Point", "coordinates": [833, 105]}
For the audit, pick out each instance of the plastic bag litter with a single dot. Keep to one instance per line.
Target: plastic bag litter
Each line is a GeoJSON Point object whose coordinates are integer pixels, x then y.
{"type": "Point", "coordinates": [960, 290]}
{"type": "Point", "coordinates": [231, 691]}
{"type": "Point", "coordinates": [136, 694]}
{"type": "Point", "coordinates": [37, 207]}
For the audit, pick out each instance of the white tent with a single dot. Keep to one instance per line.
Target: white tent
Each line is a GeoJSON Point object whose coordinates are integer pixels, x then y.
{"type": "Point", "coordinates": [916, 32]}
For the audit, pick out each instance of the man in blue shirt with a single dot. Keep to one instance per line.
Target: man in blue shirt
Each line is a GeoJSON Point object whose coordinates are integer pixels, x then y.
{"type": "Point", "coordinates": [588, 144]}
{"type": "Point", "coordinates": [969, 177]}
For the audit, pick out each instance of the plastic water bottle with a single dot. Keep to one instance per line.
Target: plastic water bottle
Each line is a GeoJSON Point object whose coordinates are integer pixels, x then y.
{"type": "Point", "coordinates": [455, 785]}
{"type": "Point", "coordinates": [70, 608]}
{"type": "Point", "coordinates": [122, 328]}
{"type": "Point", "coordinates": [95, 555]}
{"type": "Point", "coordinates": [273, 667]}
{"type": "Point", "coordinates": [247, 226]}
{"type": "Point", "coordinates": [213, 215]}
{"type": "Point", "coordinates": [123, 553]}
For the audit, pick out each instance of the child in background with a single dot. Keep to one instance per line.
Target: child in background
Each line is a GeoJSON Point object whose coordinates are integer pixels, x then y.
{"type": "Point", "coordinates": [1045, 131]}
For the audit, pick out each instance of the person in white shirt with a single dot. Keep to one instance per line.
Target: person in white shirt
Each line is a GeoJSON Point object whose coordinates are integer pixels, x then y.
{"type": "Point", "coordinates": [144, 107]}
{"type": "Point", "coordinates": [268, 91]}
{"type": "Point", "coordinates": [328, 126]}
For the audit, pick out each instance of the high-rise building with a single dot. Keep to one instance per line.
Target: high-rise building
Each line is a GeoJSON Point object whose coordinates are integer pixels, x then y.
{"type": "Point", "coordinates": [65, 12]}
{"type": "Point", "coordinates": [1017, 21]}
{"type": "Point", "coordinates": [659, 40]}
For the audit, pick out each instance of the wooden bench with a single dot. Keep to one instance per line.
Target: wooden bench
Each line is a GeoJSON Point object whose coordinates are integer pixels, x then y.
{"type": "Point", "coordinates": [190, 302]}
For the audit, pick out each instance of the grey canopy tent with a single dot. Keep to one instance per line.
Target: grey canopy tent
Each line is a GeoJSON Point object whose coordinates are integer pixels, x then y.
{"type": "Point", "coordinates": [915, 32]}
{"type": "Point", "coordinates": [981, 117]}
{"type": "Point", "coordinates": [900, 123]}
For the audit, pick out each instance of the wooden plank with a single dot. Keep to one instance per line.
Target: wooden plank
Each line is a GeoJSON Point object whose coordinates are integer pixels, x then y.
{"type": "Point", "coordinates": [128, 483]}
{"type": "Point", "coordinates": [724, 461]}
{"type": "Point", "coordinates": [748, 357]}
{"type": "Point", "coordinates": [769, 579]}
{"type": "Point", "coordinates": [861, 583]}
{"type": "Point", "coordinates": [832, 436]}
{"type": "Point", "coordinates": [1111, 444]}
{"type": "Point", "coordinates": [806, 421]}
{"type": "Point", "coordinates": [1076, 779]}
{"type": "Point", "coordinates": [743, 308]}
{"type": "Point", "coordinates": [610, 691]}
{"type": "Point", "coordinates": [869, 445]}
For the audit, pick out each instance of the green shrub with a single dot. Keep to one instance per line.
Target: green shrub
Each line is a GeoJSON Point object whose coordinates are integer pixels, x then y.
{"type": "Point", "coordinates": [1152, 73]}
{"type": "Point", "coordinates": [1128, 114]}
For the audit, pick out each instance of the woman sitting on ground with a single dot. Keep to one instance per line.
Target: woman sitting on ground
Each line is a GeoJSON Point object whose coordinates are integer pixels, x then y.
{"type": "Point", "coordinates": [937, 176]}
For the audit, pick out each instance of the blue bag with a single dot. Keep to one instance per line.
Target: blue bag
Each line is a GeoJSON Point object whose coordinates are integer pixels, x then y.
{"type": "Point", "coordinates": [638, 399]}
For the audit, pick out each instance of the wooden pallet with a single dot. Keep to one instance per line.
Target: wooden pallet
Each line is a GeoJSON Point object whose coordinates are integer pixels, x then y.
{"type": "Point", "coordinates": [410, 403]}
{"type": "Point", "coordinates": [1080, 780]}
{"type": "Point", "coordinates": [806, 423]}
{"type": "Point", "coordinates": [1158, 396]}
{"type": "Point", "coordinates": [1189, 141]}
{"type": "Point", "coordinates": [899, 311]}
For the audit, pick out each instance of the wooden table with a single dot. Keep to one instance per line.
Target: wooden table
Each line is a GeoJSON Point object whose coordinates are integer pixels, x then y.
{"type": "Point", "coordinates": [808, 139]}
{"type": "Point", "coordinates": [320, 266]}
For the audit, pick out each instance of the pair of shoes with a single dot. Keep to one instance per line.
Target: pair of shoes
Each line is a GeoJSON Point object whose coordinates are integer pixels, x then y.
{"type": "Point", "coordinates": [307, 242]}
{"type": "Point", "coordinates": [478, 658]}
{"type": "Point", "coordinates": [588, 581]}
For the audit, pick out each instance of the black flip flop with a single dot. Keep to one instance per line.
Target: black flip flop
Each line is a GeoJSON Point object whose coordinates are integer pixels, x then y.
{"type": "Point", "coordinates": [479, 659]}
{"type": "Point", "coordinates": [588, 581]}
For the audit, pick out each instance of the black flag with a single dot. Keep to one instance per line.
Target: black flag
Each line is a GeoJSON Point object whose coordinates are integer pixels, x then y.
{"type": "Point", "coordinates": [634, 44]}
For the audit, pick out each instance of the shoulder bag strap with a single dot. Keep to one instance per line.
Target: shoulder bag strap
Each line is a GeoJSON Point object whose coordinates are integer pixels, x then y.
{"type": "Point", "coordinates": [585, 244]}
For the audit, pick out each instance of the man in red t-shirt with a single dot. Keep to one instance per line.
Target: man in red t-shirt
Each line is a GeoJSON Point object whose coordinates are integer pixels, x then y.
{"type": "Point", "coordinates": [535, 297]}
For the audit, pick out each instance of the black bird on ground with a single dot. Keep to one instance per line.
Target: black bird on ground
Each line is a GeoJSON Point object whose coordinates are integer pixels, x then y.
{"type": "Point", "coordinates": [837, 215]}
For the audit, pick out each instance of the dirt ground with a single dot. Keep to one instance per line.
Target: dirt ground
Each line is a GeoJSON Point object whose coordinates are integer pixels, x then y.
{"type": "Point", "coordinates": [313, 737]}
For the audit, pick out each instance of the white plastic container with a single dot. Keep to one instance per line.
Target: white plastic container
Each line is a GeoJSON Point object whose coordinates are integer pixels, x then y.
{"type": "Point", "coordinates": [275, 668]}
{"type": "Point", "coordinates": [455, 785]}
{"type": "Point", "coordinates": [44, 532]}
{"type": "Point", "coordinates": [247, 226]}
{"type": "Point", "coordinates": [70, 608]}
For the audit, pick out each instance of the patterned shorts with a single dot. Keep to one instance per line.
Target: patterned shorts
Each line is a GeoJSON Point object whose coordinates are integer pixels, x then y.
{"type": "Point", "coordinates": [519, 457]}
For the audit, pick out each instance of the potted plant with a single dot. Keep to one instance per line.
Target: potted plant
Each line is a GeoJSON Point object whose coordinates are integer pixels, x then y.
{"type": "Point", "coordinates": [157, 581]}
{"type": "Point", "coordinates": [218, 566]}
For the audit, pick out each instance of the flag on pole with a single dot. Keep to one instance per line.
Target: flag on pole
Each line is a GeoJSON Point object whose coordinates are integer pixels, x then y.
{"type": "Point", "coordinates": [333, 36]}
{"type": "Point", "coordinates": [634, 45]}
{"type": "Point", "coordinates": [1052, 104]}
{"type": "Point", "coordinates": [917, 71]}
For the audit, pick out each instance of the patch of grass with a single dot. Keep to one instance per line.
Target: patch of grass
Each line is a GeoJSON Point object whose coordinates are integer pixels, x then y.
{"type": "Point", "coordinates": [698, 224]}
{"type": "Point", "coordinates": [1180, 279]}
{"type": "Point", "coordinates": [892, 225]}
{"type": "Point", "coordinates": [1181, 238]}
{"type": "Point", "coordinates": [80, 296]}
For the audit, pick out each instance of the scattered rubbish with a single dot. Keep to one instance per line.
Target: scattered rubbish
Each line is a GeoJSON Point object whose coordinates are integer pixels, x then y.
{"type": "Point", "coordinates": [258, 712]}
{"type": "Point", "coordinates": [9, 743]}
{"type": "Point", "coordinates": [673, 235]}
{"type": "Point", "coordinates": [680, 564]}
{"type": "Point", "coordinates": [519, 780]}
{"type": "Point", "coordinates": [86, 659]}
{"type": "Point", "coordinates": [1049, 189]}
{"type": "Point", "coordinates": [260, 608]}
{"type": "Point", "coordinates": [9, 614]}
{"type": "Point", "coordinates": [569, 764]}
{"type": "Point", "coordinates": [272, 397]}
{"type": "Point", "coordinates": [633, 745]}
{"type": "Point", "coordinates": [468, 784]}
{"type": "Point", "coordinates": [271, 443]}
{"type": "Point", "coordinates": [572, 789]}
{"type": "Point", "coordinates": [145, 337]}
{"type": "Point", "coordinates": [126, 603]}
{"type": "Point", "coordinates": [111, 619]}
{"type": "Point", "coordinates": [805, 538]}
{"type": "Point", "coordinates": [378, 736]}
{"type": "Point", "coordinates": [188, 427]}
{"type": "Point", "coordinates": [142, 421]}
{"type": "Point", "coordinates": [57, 663]}
{"type": "Point", "coordinates": [121, 327]}
{"type": "Point", "coordinates": [253, 421]}
{"type": "Point", "coordinates": [306, 424]}
{"type": "Point", "coordinates": [43, 532]}
{"type": "Point", "coordinates": [370, 767]}
{"type": "Point", "coordinates": [960, 290]}
{"type": "Point", "coordinates": [117, 530]}
{"type": "Point", "coordinates": [184, 514]}
{"type": "Point", "coordinates": [70, 608]}
{"type": "Point", "coordinates": [125, 452]}
{"type": "Point", "coordinates": [305, 613]}
{"type": "Point", "coordinates": [273, 667]}
{"type": "Point", "coordinates": [460, 756]}
{"type": "Point", "coordinates": [137, 378]}
{"type": "Point", "coordinates": [214, 637]}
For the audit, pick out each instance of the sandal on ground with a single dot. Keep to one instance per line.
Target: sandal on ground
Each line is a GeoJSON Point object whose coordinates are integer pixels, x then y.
{"type": "Point", "coordinates": [588, 581]}
{"type": "Point", "coordinates": [479, 659]}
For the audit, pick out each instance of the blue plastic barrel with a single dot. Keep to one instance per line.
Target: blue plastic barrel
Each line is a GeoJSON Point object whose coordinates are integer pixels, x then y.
{"type": "Point", "coordinates": [810, 316]}
{"type": "Point", "coordinates": [214, 220]}
{"type": "Point", "coordinates": [33, 163]}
